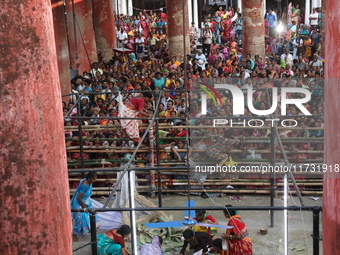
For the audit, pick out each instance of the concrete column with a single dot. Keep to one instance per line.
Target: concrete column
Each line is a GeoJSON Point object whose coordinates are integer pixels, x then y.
{"type": "Point", "coordinates": [175, 14]}
{"type": "Point", "coordinates": [320, 3]}
{"type": "Point", "coordinates": [104, 27]}
{"type": "Point", "coordinates": [314, 4]}
{"type": "Point", "coordinates": [265, 10]}
{"type": "Point", "coordinates": [130, 7]}
{"type": "Point", "coordinates": [35, 199]}
{"type": "Point", "coordinates": [196, 20]}
{"type": "Point", "coordinates": [190, 12]}
{"type": "Point", "coordinates": [331, 180]}
{"type": "Point", "coordinates": [63, 55]}
{"type": "Point", "coordinates": [239, 4]}
{"type": "Point", "coordinates": [122, 6]}
{"type": "Point", "coordinates": [253, 28]}
{"type": "Point", "coordinates": [82, 42]}
{"type": "Point", "coordinates": [307, 12]}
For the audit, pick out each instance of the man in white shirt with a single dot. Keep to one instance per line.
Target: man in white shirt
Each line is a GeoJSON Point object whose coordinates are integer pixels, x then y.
{"type": "Point", "coordinates": [80, 84]}
{"type": "Point", "coordinates": [297, 44]}
{"type": "Point", "coordinates": [121, 37]}
{"type": "Point", "coordinates": [287, 57]}
{"type": "Point", "coordinates": [139, 41]}
{"type": "Point", "coordinates": [315, 62]}
{"type": "Point", "coordinates": [95, 69]}
{"type": "Point", "coordinates": [165, 100]}
{"type": "Point", "coordinates": [314, 18]}
{"type": "Point", "coordinates": [201, 56]}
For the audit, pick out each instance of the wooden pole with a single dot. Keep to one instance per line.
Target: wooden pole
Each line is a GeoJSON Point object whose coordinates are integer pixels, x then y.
{"type": "Point", "coordinates": [152, 162]}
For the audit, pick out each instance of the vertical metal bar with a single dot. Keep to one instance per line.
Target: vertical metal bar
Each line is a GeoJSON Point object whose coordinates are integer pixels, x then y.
{"type": "Point", "coordinates": [285, 215]}
{"type": "Point", "coordinates": [80, 136]}
{"type": "Point", "coordinates": [131, 187]}
{"type": "Point", "coordinates": [291, 176]}
{"type": "Point", "coordinates": [186, 96]}
{"type": "Point", "coordinates": [158, 165]}
{"type": "Point", "coordinates": [272, 177]}
{"type": "Point", "coordinates": [93, 232]}
{"type": "Point", "coordinates": [316, 237]}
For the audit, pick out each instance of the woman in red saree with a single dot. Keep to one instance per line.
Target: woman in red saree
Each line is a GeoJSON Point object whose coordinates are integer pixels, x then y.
{"type": "Point", "coordinates": [238, 239]}
{"type": "Point", "coordinates": [134, 108]}
{"type": "Point", "coordinates": [226, 26]}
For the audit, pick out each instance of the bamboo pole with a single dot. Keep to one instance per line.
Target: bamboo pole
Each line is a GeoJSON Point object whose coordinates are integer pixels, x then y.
{"type": "Point", "coordinates": [259, 192]}
{"type": "Point", "coordinates": [246, 139]}
{"type": "Point", "coordinates": [152, 163]}
{"type": "Point", "coordinates": [212, 181]}
{"type": "Point", "coordinates": [125, 150]}
{"type": "Point", "coordinates": [166, 126]}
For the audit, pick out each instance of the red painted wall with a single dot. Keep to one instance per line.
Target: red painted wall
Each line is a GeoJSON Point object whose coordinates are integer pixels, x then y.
{"type": "Point", "coordinates": [83, 49]}
{"type": "Point", "coordinates": [35, 212]}
{"type": "Point", "coordinates": [253, 28]}
{"type": "Point", "coordinates": [175, 28]}
{"type": "Point", "coordinates": [331, 187]}
{"type": "Point", "coordinates": [104, 27]}
{"type": "Point", "coordinates": [63, 55]}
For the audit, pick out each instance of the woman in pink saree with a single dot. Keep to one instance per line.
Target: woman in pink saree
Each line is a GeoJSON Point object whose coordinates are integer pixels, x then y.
{"type": "Point", "coordinates": [133, 109]}
{"type": "Point", "coordinates": [226, 26]}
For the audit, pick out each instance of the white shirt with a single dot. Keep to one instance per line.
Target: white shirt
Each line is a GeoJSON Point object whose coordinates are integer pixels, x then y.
{"type": "Point", "coordinates": [139, 40]}
{"type": "Point", "coordinates": [202, 56]}
{"type": "Point", "coordinates": [81, 87]}
{"type": "Point", "coordinates": [94, 72]}
{"type": "Point", "coordinates": [288, 59]}
{"type": "Point", "coordinates": [318, 63]}
{"type": "Point", "coordinates": [194, 31]}
{"type": "Point", "coordinates": [314, 22]}
{"type": "Point", "coordinates": [122, 36]}
{"type": "Point", "coordinates": [164, 101]}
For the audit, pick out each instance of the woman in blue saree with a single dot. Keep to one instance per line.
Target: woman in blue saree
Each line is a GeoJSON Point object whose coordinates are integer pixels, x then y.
{"type": "Point", "coordinates": [82, 199]}
{"type": "Point", "coordinates": [112, 242]}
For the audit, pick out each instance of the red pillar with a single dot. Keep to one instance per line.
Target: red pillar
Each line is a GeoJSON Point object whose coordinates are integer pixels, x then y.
{"type": "Point", "coordinates": [83, 50]}
{"type": "Point", "coordinates": [59, 22]}
{"type": "Point", "coordinates": [253, 28]}
{"type": "Point", "coordinates": [323, 28]}
{"type": "Point", "coordinates": [104, 27]}
{"type": "Point", "coordinates": [175, 14]}
{"type": "Point", "coordinates": [331, 183]}
{"type": "Point", "coordinates": [35, 210]}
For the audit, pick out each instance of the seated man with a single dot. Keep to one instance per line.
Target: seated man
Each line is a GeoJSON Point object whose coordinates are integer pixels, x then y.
{"type": "Point", "coordinates": [199, 242]}
{"type": "Point", "coordinates": [204, 217]}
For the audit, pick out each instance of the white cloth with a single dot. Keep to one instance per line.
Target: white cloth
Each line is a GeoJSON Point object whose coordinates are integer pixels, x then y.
{"type": "Point", "coordinates": [110, 220]}
{"type": "Point", "coordinates": [154, 248]}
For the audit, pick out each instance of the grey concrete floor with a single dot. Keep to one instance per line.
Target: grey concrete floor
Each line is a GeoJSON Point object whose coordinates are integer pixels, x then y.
{"type": "Point", "coordinates": [300, 224]}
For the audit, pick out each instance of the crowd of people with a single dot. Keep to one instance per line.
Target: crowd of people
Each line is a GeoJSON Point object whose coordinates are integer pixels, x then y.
{"type": "Point", "coordinates": [201, 239]}
{"type": "Point", "coordinates": [129, 86]}
{"type": "Point", "coordinates": [132, 88]}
